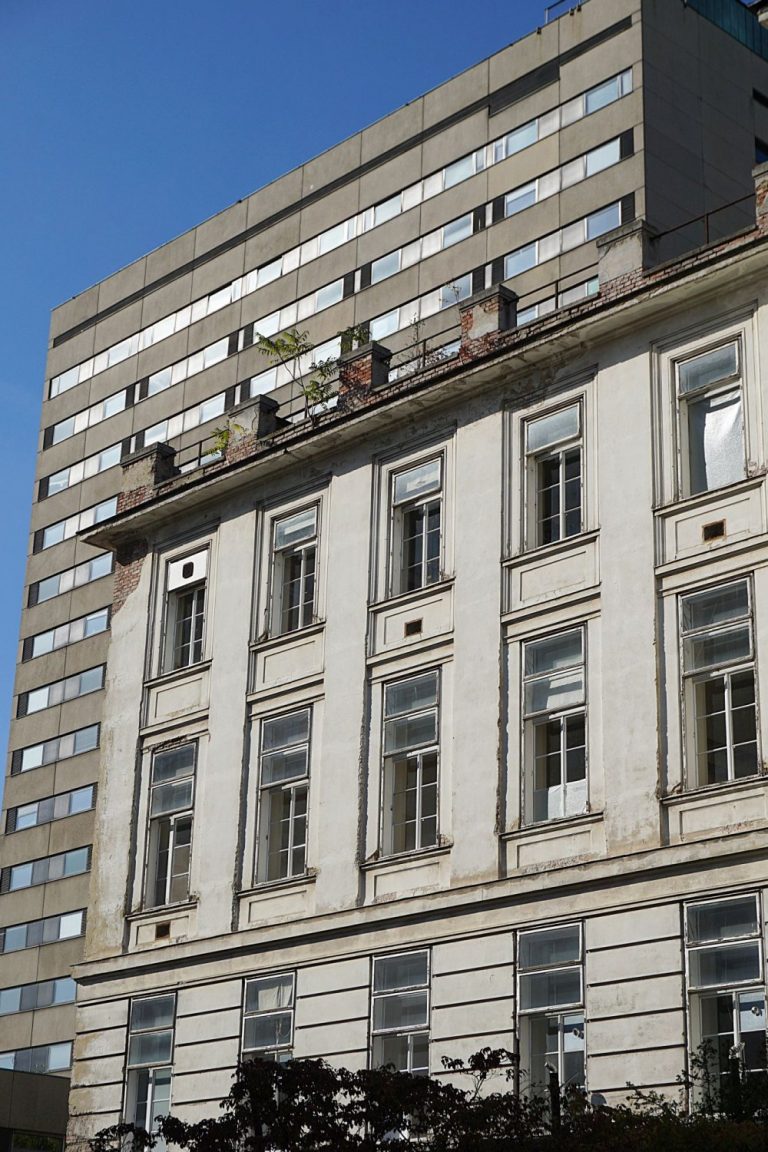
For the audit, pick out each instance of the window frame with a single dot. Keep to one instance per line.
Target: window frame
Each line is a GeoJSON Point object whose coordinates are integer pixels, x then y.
{"type": "Point", "coordinates": [278, 1052]}
{"type": "Point", "coordinates": [559, 1012]}
{"type": "Point", "coordinates": [723, 669]}
{"type": "Point", "coordinates": [278, 560]}
{"type": "Point", "coordinates": [172, 599]}
{"type": "Point", "coordinates": [685, 401]}
{"type": "Point", "coordinates": [533, 720]}
{"type": "Point", "coordinates": [417, 751]}
{"type": "Point", "coordinates": [291, 785]}
{"type": "Point", "coordinates": [134, 1071]}
{"type": "Point", "coordinates": [399, 511]}
{"type": "Point", "coordinates": [412, 1032]}
{"type": "Point", "coordinates": [172, 818]}
{"type": "Point", "coordinates": [532, 461]}
{"type": "Point", "coordinates": [698, 993]}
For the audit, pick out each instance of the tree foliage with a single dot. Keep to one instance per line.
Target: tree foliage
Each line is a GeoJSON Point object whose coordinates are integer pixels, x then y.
{"type": "Point", "coordinates": [309, 1106]}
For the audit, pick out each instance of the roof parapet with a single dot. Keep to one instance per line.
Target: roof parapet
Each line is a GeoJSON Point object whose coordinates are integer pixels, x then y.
{"type": "Point", "coordinates": [485, 316]}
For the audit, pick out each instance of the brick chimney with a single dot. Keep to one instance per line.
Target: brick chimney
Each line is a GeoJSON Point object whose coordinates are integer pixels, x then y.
{"type": "Point", "coordinates": [484, 317]}
{"type": "Point", "coordinates": [361, 372]}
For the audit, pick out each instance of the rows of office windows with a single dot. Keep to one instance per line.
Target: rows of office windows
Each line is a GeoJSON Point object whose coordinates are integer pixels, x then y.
{"type": "Point", "coordinates": [547, 185]}
{"type": "Point", "coordinates": [454, 173]}
{"type": "Point", "coordinates": [724, 978]}
{"type": "Point", "coordinates": [589, 227]}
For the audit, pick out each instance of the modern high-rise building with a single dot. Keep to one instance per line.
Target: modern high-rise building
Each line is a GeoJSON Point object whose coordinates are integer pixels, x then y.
{"type": "Point", "coordinates": [388, 715]}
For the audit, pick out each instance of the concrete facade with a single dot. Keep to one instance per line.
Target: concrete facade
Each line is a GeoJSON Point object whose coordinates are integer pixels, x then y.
{"type": "Point", "coordinates": [518, 171]}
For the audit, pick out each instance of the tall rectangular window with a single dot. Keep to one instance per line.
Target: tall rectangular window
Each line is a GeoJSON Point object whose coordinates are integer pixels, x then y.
{"type": "Point", "coordinates": [268, 1017]}
{"type": "Point", "coordinates": [294, 571]}
{"type": "Point", "coordinates": [726, 983]}
{"type": "Point", "coordinates": [555, 718]}
{"type": "Point", "coordinates": [416, 508]}
{"type": "Point", "coordinates": [171, 803]}
{"type": "Point", "coordinates": [184, 643]}
{"type": "Point", "coordinates": [718, 662]}
{"type": "Point", "coordinates": [400, 1012]}
{"type": "Point", "coordinates": [411, 754]}
{"type": "Point", "coordinates": [553, 448]}
{"type": "Point", "coordinates": [284, 781]}
{"type": "Point", "coordinates": [710, 399]}
{"type": "Point", "coordinates": [150, 1059]}
{"type": "Point", "coordinates": [550, 1006]}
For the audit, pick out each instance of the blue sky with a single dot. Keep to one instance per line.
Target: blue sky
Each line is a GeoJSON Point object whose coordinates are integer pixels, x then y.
{"type": "Point", "coordinates": [126, 122]}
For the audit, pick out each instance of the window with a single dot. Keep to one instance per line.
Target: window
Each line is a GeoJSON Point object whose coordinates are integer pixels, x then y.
{"type": "Point", "coordinates": [45, 870]}
{"type": "Point", "coordinates": [92, 680]}
{"type": "Point", "coordinates": [150, 1058]}
{"type": "Point", "coordinates": [411, 750]}
{"type": "Point", "coordinates": [719, 684]}
{"type": "Point", "coordinates": [417, 526]}
{"type": "Point", "coordinates": [726, 982]}
{"type": "Point", "coordinates": [400, 1012]}
{"type": "Point", "coordinates": [294, 574]}
{"type": "Point", "coordinates": [51, 808]}
{"type": "Point", "coordinates": [711, 415]}
{"type": "Point", "coordinates": [268, 1017]}
{"type": "Point", "coordinates": [46, 1058]}
{"type": "Point", "coordinates": [553, 452]}
{"type": "Point", "coordinates": [555, 717]}
{"type": "Point", "coordinates": [284, 778]}
{"type": "Point", "coordinates": [30, 997]}
{"type": "Point", "coordinates": [171, 801]}
{"type": "Point", "coordinates": [64, 529]}
{"type": "Point", "coordinates": [59, 748]}
{"type": "Point", "coordinates": [185, 611]}
{"type": "Point", "coordinates": [550, 1005]}
{"type": "Point", "coordinates": [36, 932]}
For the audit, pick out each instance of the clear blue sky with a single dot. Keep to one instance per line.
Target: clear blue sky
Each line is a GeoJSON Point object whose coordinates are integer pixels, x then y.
{"type": "Point", "coordinates": [126, 122]}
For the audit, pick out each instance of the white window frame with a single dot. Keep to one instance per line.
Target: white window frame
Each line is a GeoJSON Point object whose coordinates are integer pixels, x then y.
{"type": "Point", "coordinates": [430, 569]}
{"type": "Point", "coordinates": [728, 384]}
{"type": "Point", "coordinates": [565, 1013]}
{"type": "Point", "coordinates": [411, 1033]}
{"type": "Point", "coordinates": [725, 670]}
{"type": "Point", "coordinates": [153, 1070]}
{"type": "Point", "coordinates": [673, 477]}
{"type": "Point", "coordinates": [292, 786]}
{"type": "Point", "coordinates": [387, 538]}
{"type": "Point", "coordinates": [698, 992]}
{"type": "Point", "coordinates": [185, 575]}
{"type": "Point", "coordinates": [281, 1050]}
{"type": "Point", "coordinates": [534, 719]}
{"type": "Point", "coordinates": [557, 449]}
{"type": "Point", "coordinates": [307, 552]}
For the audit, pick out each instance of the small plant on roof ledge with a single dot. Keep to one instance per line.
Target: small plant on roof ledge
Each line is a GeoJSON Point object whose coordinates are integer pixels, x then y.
{"type": "Point", "coordinates": [292, 349]}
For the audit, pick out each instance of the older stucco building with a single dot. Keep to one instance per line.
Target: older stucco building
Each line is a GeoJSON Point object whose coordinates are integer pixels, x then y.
{"type": "Point", "coordinates": [426, 717]}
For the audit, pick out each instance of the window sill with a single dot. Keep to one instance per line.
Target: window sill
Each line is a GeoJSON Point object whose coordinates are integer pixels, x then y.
{"type": "Point", "coordinates": [178, 674]}
{"type": "Point", "coordinates": [413, 597]}
{"type": "Point", "coordinates": [266, 642]}
{"type": "Point", "coordinates": [530, 830]}
{"type": "Point", "coordinates": [162, 913]}
{"type": "Point", "coordinates": [701, 499]}
{"type": "Point", "coordinates": [749, 783]}
{"type": "Point", "coordinates": [269, 886]}
{"type": "Point", "coordinates": [543, 551]}
{"type": "Point", "coordinates": [406, 857]}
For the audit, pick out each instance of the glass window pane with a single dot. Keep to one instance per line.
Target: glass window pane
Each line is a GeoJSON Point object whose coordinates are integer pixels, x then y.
{"type": "Point", "coordinates": [418, 481]}
{"type": "Point", "coordinates": [552, 946]}
{"type": "Point", "coordinates": [554, 652]}
{"type": "Point", "coordinates": [400, 1010]}
{"type": "Point", "coordinates": [520, 199]}
{"type": "Point", "coordinates": [173, 763]}
{"type": "Point", "coordinates": [412, 695]}
{"type": "Point", "coordinates": [272, 1030]}
{"type": "Point", "coordinates": [409, 732]}
{"type": "Point", "coordinates": [603, 157]}
{"type": "Point", "coordinates": [457, 230]}
{"type": "Point", "coordinates": [294, 529]}
{"type": "Point", "coordinates": [280, 766]}
{"type": "Point", "coordinates": [284, 731]}
{"type": "Point", "coordinates": [407, 970]}
{"type": "Point", "coordinates": [387, 210]}
{"type": "Point", "coordinates": [550, 989]}
{"type": "Point", "coordinates": [459, 170]}
{"type": "Point", "coordinates": [711, 649]}
{"type": "Point", "coordinates": [386, 266]}
{"type": "Point", "coordinates": [520, 261]}
{"type": "Point", "coordinates": [722, 920]}
{"type": "Point", "coordinates": [522, 137]}
{"type": "Point", "coordinates": [152, 1012]}
{"type": "Point", "coordinates": [150, 1048]}
{"type": "Point", "coordinates": [715, 606]}
{"type": "Point", "coordinates": [269, 993]}
{"type": "Point", "coordinates": [709, 368]}
{"type": "Point", "coordinates": [715, 441]}
{"type": "Point", "coordinates": [552, 429]}
{"type": "Point", "coordinates": [729, 964]}
{"type": "Point", "coordinates": [604, 221]}
{"type": "Point", "coordinates": [602, 95]}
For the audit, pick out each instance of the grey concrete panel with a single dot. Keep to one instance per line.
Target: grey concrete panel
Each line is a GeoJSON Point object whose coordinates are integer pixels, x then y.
{"type": "Point", "coordinates": [456, 94]}
{"type": "Point", "coordinates": [33, 1103]}
{"type": "Point", "coordinates": [163, 301]}
{"type": "Point", "coordinates": [648, 1031]}
{"type": "Point", "coordinates": [117, 327]}
{"type": "Point", "coordinates": [161, 355]}
{"type": "Point", "coordinates": [166, 259]}
{"type": "Point", "coordinates": [72, 312]}
{"type": "Point", "coordinates": [323, 214]}
{"type": "Point", "coordinates": [472, 1019]}
{"type": "Point", "coordinates": [53, 1025]}
{"type": "Point", "coordinates": [123, 283]}
{"type": "Point", "coordinates": [343, 157]}
{"type": "Point", "coordinates": [462, 138]}
{"type": "Point", "coordinates": [396, 175]}
{"type": "Point", "coordinates": [273, 197]}
{"type": "Point", "coordinates": [391, 130]}
{"type": "Point", "coordinates": [220, 228]}
{"type": "Point", "coordinates": [214, 274]}
{"type": "Point", "coordinates": [64, 356]}
{"type": "Point", "coordinates": [97, 1017]}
